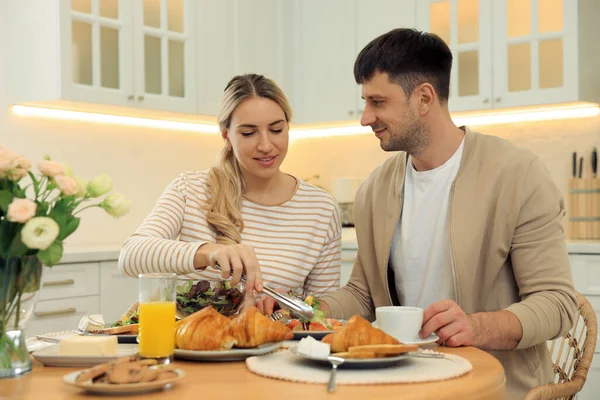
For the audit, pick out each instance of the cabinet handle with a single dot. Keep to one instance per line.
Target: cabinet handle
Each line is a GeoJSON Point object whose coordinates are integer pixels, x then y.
{"type": "Point", "coordinates": [130, 97]}
{"type": "Point", "coordinates": [498, 99]}
{"type": "Point", "coordinates": [64, 311]}
{"type": "Point", "coordinates": [348, 259]}
{"type": "Point", "coordinates": [350, 113]}
{"type": "Point", "coordinates": [140, 98]}
{"type": "Point", "coordinates": [59, 283]}
{"type": "Point", "coordinates": [486, 100]}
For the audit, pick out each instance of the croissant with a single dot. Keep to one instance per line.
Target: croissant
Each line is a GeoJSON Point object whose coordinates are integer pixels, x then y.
{"type": "Point", "coordinates": [204, 330]}
{"type": "Point", "coordinates": [357, 332]}
{"type": "Point", "coordinates": [251, 329]}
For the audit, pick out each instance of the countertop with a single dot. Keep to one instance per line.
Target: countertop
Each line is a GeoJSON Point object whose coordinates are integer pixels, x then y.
{"type": "Point", "coordinates": [573, 246]}
{"type": "Point", "coordinates": [89, 253]}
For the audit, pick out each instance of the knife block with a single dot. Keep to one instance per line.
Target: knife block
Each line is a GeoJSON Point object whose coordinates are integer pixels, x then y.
{"type": "Point", "coordinates": [584, 208]}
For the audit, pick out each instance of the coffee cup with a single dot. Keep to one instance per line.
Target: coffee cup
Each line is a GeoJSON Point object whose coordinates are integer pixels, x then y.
{"type": "Point", "coordinates": [402, 323]}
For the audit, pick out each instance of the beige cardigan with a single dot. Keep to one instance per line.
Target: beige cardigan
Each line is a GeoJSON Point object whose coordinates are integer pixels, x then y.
{"type": "Point", "coordinates": [507, 242]}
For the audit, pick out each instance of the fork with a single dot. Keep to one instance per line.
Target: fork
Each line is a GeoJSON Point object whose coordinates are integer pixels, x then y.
{"type": "Point", "coordinates": [276, 316]}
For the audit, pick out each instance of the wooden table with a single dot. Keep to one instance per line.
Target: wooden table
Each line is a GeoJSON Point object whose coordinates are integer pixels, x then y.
{"type": "Point", "coordinates": [215, 381]}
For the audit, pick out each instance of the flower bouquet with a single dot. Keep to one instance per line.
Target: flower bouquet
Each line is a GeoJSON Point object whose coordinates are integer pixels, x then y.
{"type": "Point", "coordinates": [38, 211]}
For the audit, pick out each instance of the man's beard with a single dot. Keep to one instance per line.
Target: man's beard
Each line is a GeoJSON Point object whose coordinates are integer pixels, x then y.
{"type": "Point", "coordinates": [414, 139]}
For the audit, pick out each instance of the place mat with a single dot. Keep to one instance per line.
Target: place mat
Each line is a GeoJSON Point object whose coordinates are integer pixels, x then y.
{"type": "Point", "coordinates": [285, 365]}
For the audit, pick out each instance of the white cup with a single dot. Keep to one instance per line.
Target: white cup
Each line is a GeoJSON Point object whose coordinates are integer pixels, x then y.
{"type": "Point", "coordinates": [402, 323]}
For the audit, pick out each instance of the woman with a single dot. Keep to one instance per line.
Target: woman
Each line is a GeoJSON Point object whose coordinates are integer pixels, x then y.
{"type": "Point", "coordinates": [245, 213]}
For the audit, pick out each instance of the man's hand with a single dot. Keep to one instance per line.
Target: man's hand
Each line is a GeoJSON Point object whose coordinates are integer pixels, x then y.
{"type": "Point", "coordinates": [494, 330]}
{"type": "Point", "coordinates": [449, 322]}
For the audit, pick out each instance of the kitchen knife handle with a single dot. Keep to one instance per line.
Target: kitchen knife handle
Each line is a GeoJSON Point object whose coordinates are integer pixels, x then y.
{"type": "Point", "coordinates": [580, 167]}
{"type": "Point", "coordinates": [594, 161]}
{"type": "Point", "coordinates": [574, 164]}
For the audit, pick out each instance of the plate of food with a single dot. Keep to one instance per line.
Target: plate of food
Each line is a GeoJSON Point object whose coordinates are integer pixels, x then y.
{"type": "Point", "coordinates": [208, 335]}
{"type": "Point", "coordinates": [126, 375]}
{"type": "Point", "coordinates": [126, 328]}
{"type": "Point", "coordinates": [360, 344]}
{"type": "Point", "coordinates": [318, 327]}
{"type": "Point", "coordinates": [52, 356]}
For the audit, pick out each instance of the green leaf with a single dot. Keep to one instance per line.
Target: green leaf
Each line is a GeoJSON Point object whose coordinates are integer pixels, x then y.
{"type": "Point", "coordinates": [68, 228]}
{"type": "Point", "coordinates": [17, 247]}
{"type": "Point", "coordinates": [6, 197]}
{"type": "Point", "coordinates": [5, 237]}
{"type": "Point", "coordinates": [51, 255]}
{"type": "Point", "coordinates": [43, 208]}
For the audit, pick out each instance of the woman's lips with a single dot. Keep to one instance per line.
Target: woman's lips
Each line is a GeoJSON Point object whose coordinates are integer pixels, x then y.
{"type": "Point", "coordinates": [266, 161]}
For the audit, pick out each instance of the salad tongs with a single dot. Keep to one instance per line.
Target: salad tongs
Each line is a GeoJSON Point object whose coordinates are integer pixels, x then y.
{"type": "Point", "coordinates": [293, 304]}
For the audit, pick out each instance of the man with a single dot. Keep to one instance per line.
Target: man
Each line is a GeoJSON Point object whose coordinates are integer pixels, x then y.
{"type": "Point", "coordinates": [466, 225]}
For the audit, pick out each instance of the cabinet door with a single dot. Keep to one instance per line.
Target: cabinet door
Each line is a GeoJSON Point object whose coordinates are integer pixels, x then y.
{"type": "Point", "coordinates": [117, 291]}
{"type": "Point", "coordinates": [327, 52]}
{"type": "Point", "coordinates": [251, 39]}
{"type": "Point", "coordinates": [165, 55]}
{"type": "Point", "coordinates": [61, 314]}
{"type": "Point", "coordinates": [535, 61]}
{"type": "Point", "coordinates": [389, 14]}
{"type": "Point", "coordinates": [96, 51]}
{"type": "Point", "coordinates": [465, 26]}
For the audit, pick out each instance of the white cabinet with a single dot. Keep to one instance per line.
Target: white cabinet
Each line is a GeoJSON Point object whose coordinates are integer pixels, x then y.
{"type": "Point", "coordinates": [117, 291]}
{"type": "Point", "coordinates": [511, 53]}
{"type": "Point", "coordinates": [237, 37]}
{"type": "Point", "coordinates": [138, 53]}
{"type": "Point", "coordinates": [586, 277]}
{"type": "Point", "coordinates": [327, 37]}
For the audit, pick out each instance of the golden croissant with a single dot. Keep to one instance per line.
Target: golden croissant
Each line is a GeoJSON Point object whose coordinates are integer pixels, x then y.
{"type": "Point", "coordinates": [357, 332]}
{"type": "Point", "coordinates": [251, 329]}
{"type": "Point", "coordinates": [206, 329]}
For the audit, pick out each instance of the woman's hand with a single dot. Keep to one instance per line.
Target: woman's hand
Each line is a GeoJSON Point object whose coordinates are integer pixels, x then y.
{"type": "Point", "coordinates": [234, 260]}
{"type": "Point", "coordinates": [267, 304]}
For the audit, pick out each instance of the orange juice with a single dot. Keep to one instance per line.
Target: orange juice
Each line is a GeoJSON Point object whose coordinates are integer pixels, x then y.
{"type": "Point", "coordinates": [157, 329]}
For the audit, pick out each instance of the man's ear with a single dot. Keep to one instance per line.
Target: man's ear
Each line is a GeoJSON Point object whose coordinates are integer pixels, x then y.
{"type": "Point", "coordinates": [426, 97]}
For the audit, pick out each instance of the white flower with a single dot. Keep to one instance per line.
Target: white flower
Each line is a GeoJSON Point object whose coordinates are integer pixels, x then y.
{"type": "Point", "coordinates": [99, 185]}
{"type": "Point", "coordinates": [81, 187]}
{"type": "Point", "coordinates": [40, 233]}
{"type": "Point", "coordinates": [116, 205]}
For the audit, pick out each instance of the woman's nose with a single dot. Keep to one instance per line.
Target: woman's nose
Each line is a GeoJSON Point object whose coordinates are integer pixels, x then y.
{"type": "Point", "coordinates": [265, 144]}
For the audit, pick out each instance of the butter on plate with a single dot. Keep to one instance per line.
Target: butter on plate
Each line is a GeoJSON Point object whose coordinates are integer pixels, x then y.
{"type": "Point", "coordinates": [313, 348]}
{"type": "Point", "coordinates": [88, 346]}
{"type": "Point", "coordinates": [91, 323]}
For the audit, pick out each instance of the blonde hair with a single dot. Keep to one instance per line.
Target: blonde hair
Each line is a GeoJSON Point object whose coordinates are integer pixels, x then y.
{"type": "Point", "coordinates": [225, 182]}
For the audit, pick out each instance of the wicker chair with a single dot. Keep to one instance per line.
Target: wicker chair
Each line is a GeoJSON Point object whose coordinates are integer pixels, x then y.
{"type": "Point", "coordinates": [572, 355]}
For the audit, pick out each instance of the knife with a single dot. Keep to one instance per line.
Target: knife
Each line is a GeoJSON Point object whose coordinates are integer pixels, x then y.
{"type": "Point", "coordinates": [594, 161]}
{"type": "Point", "coordinates": [574, 164]}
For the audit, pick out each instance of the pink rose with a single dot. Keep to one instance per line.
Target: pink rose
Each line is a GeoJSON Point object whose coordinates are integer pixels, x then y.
{"type": "Point", "coordinates": [21, 210]}
{"type": "Point", "coordinates": [51, 168]}
{"type": "Point", "coordinates": [66, 184]}
{"type": "Point", "coordinates": [8, 160]}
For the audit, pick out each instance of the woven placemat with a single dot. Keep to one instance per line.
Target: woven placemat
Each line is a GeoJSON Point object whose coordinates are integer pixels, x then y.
{"type": "Point", "coordinates": [285, 365]}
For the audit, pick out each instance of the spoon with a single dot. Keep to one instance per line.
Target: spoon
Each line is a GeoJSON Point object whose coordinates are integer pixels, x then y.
{"type": "Point", "coordinates": [335, 361]}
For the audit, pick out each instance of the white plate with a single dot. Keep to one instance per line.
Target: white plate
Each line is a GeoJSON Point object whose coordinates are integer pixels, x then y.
{"type": "Point", "coordinates": [130, 388]}
{"type": "Point", "coordinates": [359, 362]}
{"type": "Point", "coordinates": [50, 356]}
{"type": "Point", "coordinates": [226, 355]}
{"type": "Point", "coordinates": [421, 342]}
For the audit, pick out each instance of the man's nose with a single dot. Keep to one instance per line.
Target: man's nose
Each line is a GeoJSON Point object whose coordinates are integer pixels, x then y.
{"type": "Point", "coordinates": [367, 117]}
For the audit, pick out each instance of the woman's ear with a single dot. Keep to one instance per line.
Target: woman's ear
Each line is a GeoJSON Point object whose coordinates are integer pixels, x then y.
{"type": "Point", "coordinates": [224, 135]}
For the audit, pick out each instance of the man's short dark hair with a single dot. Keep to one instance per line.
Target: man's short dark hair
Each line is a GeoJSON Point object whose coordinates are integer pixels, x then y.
{"type": "Point", "coordinates": [410, 58]}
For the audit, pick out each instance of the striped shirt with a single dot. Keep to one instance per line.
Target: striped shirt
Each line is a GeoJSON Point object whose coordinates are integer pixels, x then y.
{"type": "Point", "coordinates": [297, 243]}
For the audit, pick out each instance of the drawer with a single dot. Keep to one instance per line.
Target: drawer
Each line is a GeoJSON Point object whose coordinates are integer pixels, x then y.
{"type": "Point", "coordinates": [114, 306]}
{"type": "Point", "coordinates": [586, 273]}
{"type": "Point", "coordinates": [70, 280]}
{"type": "Point", "coordinates": [62, 314]}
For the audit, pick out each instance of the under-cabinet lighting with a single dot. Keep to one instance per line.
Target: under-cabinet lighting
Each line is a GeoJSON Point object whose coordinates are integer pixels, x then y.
{"type": "Point", "coordinates": [493, 117]}
{"type": "Point", "coordinates": [40, 112]}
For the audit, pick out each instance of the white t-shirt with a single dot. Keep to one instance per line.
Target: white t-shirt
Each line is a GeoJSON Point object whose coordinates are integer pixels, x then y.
{"type": "Point", "coordinates": [420, 255]}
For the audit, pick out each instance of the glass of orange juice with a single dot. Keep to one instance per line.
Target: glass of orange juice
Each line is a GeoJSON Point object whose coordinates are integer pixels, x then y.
{"type": "Point", "coordinates": [157, 316]}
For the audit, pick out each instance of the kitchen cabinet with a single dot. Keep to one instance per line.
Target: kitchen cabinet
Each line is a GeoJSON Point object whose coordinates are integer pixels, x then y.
{"type": "Point", "coordinates": [512, 53]}
{"type": "Point", "coordinates": [586, 277]}
{"type": "Point", "coordinates": [327, 37]}
{"type": "Point", "coordinates": [237, 37]}
{"type": "Point", "coordinates": [138, 53]}
{"type": "Point", "coordinates": [117, 291]}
